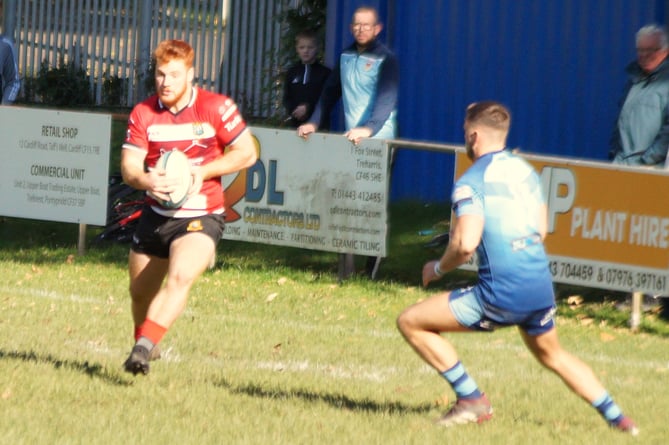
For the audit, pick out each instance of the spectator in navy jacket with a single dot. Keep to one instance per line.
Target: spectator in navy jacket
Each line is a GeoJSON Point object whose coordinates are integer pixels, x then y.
{"type": "Point", "coordinates": [9, 71]}
{"type": "Point", "coordinates": [304, 81]}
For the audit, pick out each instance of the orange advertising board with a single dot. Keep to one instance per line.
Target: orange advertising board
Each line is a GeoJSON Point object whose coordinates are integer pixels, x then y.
{"type": "Point", "coordinates": [608, 226]}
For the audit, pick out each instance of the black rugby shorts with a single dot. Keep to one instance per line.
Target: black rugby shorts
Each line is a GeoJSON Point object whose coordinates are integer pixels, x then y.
{"type": "Point", "coordinates": [155, 232]}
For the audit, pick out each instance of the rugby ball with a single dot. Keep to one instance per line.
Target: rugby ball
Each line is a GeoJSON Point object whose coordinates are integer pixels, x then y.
{"type": "Point", "coordinates": [176, 165]}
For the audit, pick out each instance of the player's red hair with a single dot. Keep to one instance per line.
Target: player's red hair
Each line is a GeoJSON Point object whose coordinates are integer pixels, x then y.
{"type": "Point", "coordinates": [169, 50]}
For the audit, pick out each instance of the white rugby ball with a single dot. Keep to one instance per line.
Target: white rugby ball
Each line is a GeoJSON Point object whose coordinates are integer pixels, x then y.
{"type": "Point", "coordinates": [176, 165]}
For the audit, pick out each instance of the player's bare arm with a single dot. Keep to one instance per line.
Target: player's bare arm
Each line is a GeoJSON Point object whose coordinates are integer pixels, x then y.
{"type": "Point", "coordinates": [239, 155]}
{"type": "Point", "coordinates": [154, 181]}
{"type": "Point", "coordinates": [465, 236]}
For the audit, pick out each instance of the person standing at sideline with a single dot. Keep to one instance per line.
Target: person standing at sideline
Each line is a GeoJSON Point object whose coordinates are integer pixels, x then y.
{"type": "Point", "coordinates": [641, 133]}
{"type": "Point", "coordinates": [366, 78]}
{"type": "Point", "coordinates": [304, 81]}
{"type": "Point", "coordinates": [175, 246]}
{"type": "Point", "coordinates": [9, 71]}
{"type": "Point", "coordinates": [500, 215]}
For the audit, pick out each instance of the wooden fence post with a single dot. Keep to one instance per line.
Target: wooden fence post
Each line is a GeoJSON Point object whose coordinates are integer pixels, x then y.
{"type": "Point", "coordinates": [635, 321]}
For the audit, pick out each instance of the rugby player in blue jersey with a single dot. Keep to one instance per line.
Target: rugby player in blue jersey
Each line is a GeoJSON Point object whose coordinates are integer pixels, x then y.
{"type": "Point", "coordinates": [501, 215]}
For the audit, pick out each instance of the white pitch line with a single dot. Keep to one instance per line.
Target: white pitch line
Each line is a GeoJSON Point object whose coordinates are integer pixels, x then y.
{"type": "Point", "coordinates": [48, 294]}
{"type": "Point", "coordinates": [331, 327]}
{"type": "Point", "coordinates": [377, 375]}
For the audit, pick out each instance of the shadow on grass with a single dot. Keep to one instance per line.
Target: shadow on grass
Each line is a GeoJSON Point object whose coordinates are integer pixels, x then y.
{"type": "Point", "coordinates": [339, 401]}
{"type": "Point", "coordinates": [92, 370]}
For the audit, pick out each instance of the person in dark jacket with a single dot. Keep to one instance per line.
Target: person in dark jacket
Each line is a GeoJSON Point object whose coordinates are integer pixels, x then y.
{"type": "Point", "coordinates": [304, 81]}
{"type": "Point", "coordinates": [9, 72]}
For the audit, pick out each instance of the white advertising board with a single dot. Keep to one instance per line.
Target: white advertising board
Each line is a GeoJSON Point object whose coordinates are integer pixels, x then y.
{"type": "Point", "coordinates": [323, 193]}
{"type": "Point", "coordinates": [55, 165]}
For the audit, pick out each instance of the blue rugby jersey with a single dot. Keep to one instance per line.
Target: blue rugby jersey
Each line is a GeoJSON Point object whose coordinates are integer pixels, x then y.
{"type": "Point", "coordinates": [368, 84]}
{"type": "Point", "coordinates": [513, 266]}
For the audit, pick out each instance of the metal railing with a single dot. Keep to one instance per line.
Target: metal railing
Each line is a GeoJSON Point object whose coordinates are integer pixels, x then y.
{"type": "Point", "coordinates": [112, 40]}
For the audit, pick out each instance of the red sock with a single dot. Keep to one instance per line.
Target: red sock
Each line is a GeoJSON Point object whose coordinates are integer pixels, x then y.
{"type": "Point", "coordinates": [152, 330]}
{"type": "Point", "coordinates": [137, 332]}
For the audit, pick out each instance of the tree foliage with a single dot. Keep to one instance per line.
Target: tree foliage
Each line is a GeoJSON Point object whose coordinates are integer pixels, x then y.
{"type": "Point", "coordinates": [65, 85]}
{"type": "Point", "coordinates": [309, 14]}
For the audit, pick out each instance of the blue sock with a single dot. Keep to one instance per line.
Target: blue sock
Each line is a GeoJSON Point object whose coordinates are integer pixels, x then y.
{"type": "Point", "coordinates": [464, 386]}
{"type": "Point", "coordinates": [608, 408]}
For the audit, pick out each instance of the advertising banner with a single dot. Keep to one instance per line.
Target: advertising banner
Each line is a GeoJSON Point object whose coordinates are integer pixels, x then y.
{"type": "Point", "coordinates": [608, 226]}
{"type": "Point", "coordinates": [55, 165]}
{"type": "Point", "coordinates": [322, 193]}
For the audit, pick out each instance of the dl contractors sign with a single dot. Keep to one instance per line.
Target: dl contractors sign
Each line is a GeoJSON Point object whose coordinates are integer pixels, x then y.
{"type": "Point", "coordinates": [323, 193]}
{"type": "Point", "coordinates": [608, 226]}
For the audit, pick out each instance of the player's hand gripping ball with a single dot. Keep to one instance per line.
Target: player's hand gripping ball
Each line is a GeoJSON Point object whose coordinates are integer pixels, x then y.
{"type": "Point", "coordinates": [176, 165]}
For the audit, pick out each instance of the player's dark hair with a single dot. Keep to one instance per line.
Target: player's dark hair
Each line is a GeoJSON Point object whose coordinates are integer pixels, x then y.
{"type": "Point", "coordinates": [489, 113]}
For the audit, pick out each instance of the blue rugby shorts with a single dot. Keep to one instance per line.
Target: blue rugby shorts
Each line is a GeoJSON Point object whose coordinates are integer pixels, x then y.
{"type": "Point", "coordinates": [472, 312]}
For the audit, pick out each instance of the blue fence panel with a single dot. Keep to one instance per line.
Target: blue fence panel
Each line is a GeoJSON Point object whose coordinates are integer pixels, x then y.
{"type": "Point", "coordinates": [558, 65]}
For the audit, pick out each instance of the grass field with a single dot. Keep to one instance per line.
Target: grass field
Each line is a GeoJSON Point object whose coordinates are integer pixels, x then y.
{"type": "Point", "coordinates": [272, 349]}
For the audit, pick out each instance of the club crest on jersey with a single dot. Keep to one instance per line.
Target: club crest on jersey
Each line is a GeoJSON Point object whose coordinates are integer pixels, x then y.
{"type": "Point", "coordinates": [195, 226]}
{"type": "Point", "coordinates": [198, 129]}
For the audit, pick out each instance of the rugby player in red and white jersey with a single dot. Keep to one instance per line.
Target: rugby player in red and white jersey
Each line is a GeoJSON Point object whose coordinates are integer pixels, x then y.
{"type": "Point", "coordinates": [177, 244]}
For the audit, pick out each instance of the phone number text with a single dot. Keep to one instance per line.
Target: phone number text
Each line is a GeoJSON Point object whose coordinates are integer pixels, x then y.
{"type": "Point", "coordinates": [353, 195]}
{"type": "Point", "coordinates": [608, 276]}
